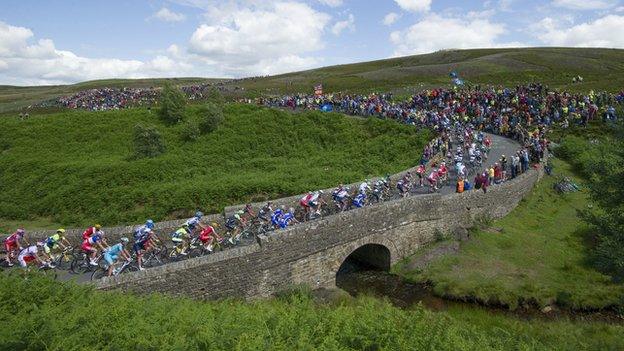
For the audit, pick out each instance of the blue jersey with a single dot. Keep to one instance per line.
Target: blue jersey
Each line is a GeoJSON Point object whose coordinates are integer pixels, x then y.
{"type": "Point", "coordinates": [115, 250]}
{"type": "Point", "coordinates": [358, 201]}
{"type": "Point", "coordinates": [285, 220]}
{"type": "Point", "coordinates": [276, 216]}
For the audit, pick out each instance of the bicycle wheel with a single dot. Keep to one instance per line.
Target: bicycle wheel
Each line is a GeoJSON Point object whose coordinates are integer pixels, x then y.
{"type": "Point", "coordinates": [99, 273]}
{"type": "Point", "coordinates": [64, 260]}
{"type": "Point", "coordinates": [77, 265]}
{"type": "Point", "coordinates": [130, 268]}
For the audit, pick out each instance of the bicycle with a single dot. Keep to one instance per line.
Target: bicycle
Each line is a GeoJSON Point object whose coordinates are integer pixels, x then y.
{"type": "Point", "coordinates": [127, 266]}
{"type": "Point", "coordinates": [82, 263]}
{"type": "Point", "coordinates": [65, 258]}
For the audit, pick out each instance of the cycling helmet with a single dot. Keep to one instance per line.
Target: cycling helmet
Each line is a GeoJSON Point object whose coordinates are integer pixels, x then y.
{"type": "Point", "coordinates": [214, 224]}
{"type": "Point", "coordinates": [240, 212]}
{"type": "Point", "coordinates": [321, 192]}
{"type": "Point", "coordinates": [199, 214]}
{"type": "Point", "coordinates": [21, 231]}
{"type": "Point", "coordinates": [124, 240]}
{"type": "Point", "coordinates": [149, 223]}
{"type": "Point", "coordinates": [60, 231]}
{"type": "Point", "coordinates": [98, 226]}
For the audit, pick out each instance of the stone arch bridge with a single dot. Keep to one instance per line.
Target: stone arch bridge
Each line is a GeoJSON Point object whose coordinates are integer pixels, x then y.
{"type": "Point", "coordinates": [313, 253]}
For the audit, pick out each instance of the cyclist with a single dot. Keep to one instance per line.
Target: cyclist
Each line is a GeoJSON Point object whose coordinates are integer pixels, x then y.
{"type": "Point", "coordinates": [287, 218]}
{"type": "Point", "coordinates": [91, 231]}
{"type": "Point", "coordinates": [31, 253]}
{"type": "Point", "coordinates": [180, 239]}
{"type": "Point", "coordinates": [364, 187]}
{"type": "Point", "coordinates": [403, 187]}
{"type": "Point", "coordinates": [143, 241]}
{"type": "Point", "coordinates": [195, 222]}
{"type": "Point", "coordinates": [143, 230]}
{"type": "Point", "coordinates": [208, 235]}
{"type": "Point", "coordinates": [54, 241]}
{"type": "Point", "coordinates": [234, 224]}
{"type": "Point", "coordinates": [420, 172]}
{"type": "Point", "coordinates": [13, 244]}
{"type": "Point", "coordinates": [359, 200]}
{"type": "Point", "coordinates": [97, 239]}
{"type": "Point", "coordinates": [443, 172]}
{"type": "Point", "coordinates": [433, 179]}
{"type": "Point", "coordinates": [265, 212]}
{"type": "Point", "coordinates": [277, 216]}
{"type": "Point", "coordinates": [111, 254]}
{"type": "Point", "coordinates": [340, 194]}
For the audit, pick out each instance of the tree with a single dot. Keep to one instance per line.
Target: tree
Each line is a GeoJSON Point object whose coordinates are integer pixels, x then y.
{"type": "Point", "coordinates": [211, 116]}
{"type": "Point", "coordinates": [147, 142]}
{"type": "Point", "coordinates": [172, 105]}
{"type": "Point", "coordinates": [607, 191]}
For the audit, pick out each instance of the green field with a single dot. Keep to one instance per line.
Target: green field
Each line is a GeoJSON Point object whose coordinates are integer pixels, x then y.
{"type": "Point", "coordinates": [75, 168]}
{"type": "Point", "coordinates": [39, 314]}
{"type": "Point", "coordinates": [602, 69]}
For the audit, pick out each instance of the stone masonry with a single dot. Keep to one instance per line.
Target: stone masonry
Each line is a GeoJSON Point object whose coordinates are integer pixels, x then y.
{"type": "Point", "coordinates": [312, 253]}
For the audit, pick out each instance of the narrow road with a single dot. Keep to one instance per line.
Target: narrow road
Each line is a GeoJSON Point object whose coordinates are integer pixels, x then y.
{"type": "Point", "coordinates": [500, 146]}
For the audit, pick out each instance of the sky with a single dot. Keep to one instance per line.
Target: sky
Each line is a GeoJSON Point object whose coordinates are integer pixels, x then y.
{"type": "Point", "coordinates": [58, 42]}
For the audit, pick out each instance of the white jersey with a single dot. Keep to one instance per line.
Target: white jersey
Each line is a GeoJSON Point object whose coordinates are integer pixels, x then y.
{"type": "Point", "coordinates": [364, 187]}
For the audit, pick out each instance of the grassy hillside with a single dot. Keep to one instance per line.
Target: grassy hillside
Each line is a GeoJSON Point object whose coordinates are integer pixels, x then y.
{"type": "Point", "coordinates": [38, 314]}
{"type": "Point", "coordinates": [602, 69]}
{"type": "Point", "coordinates": [537, 254]}
{"type": "Point", "coordinates": [74, 167]}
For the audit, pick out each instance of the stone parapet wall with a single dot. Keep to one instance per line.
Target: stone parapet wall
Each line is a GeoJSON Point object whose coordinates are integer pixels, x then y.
{"type": "Point", "coordinates": [311, 253]}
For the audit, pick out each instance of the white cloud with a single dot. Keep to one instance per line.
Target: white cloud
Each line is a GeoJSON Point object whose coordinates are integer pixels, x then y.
{"type": "Point", "coordinates": [339, 26]}
{"type": "Point", "coordinates": [241, 39]}
{"type": "Point", "coordinates": [390, 18]}
{"type": "Point", "coordinates": [23, 61]}
{"type": "Point", "coordinates": [585, 4]}
{"type": "Point", "coordinates": [414, 5]}
{"type": "Point", "coordinates": [435, 32]}
{"type": "Point", "coordinates": [164, 14]}
{"type": "Point", "coordinates": [331, 3]}
{"type": "Point", "coordinates": [599, 33]}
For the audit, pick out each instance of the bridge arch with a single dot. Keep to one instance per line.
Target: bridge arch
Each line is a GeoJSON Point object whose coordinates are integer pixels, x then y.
{"type": "Point", "coordinates": [376, 257]}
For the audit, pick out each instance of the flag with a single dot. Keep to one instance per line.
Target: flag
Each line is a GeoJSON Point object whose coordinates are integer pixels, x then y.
{"type": "Point", "coordinates": [318, 89]}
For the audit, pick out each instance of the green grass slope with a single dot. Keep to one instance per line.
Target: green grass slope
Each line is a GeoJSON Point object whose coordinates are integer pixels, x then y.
{"type": "Point", "coordinates": [39, 314]}
{"type": "Point", "coordinates": [73, 168]}
{"type": "Point", "coordinates": [601, 69]}
{"type": "Point", "coordinates": [538, 254]}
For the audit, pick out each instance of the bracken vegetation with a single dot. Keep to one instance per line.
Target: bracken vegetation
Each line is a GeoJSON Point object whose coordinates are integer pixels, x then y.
{"type": "Point", "coordinates": [39, 314]}
{"type": "Point", "coordinates": [76, 168]}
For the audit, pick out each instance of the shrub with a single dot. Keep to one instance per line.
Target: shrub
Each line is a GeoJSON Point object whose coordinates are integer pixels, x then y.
{"type": "Point", "coordinates": [214, 96]}
{"type": "Point", "coordinates": [147, 142]}
{"type": "Point", "coordinates": [190, 131]}
{"type": "Point", "coordinates": [172, 105]}
{"type": "Point", "coordinates": [211, 116]}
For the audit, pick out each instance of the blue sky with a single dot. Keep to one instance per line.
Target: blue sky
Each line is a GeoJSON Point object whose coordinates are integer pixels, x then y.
{"type": "Point", "coordinates": [54, 41]}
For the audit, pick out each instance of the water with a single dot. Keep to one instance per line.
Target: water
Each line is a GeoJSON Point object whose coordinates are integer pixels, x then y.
{"type": "Point", "coordinates": [399, 292]}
